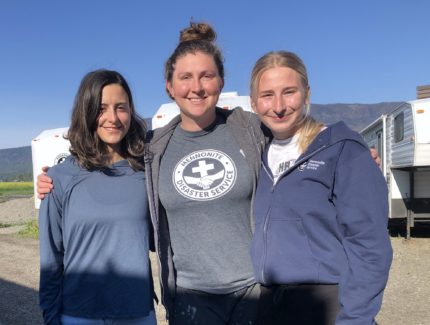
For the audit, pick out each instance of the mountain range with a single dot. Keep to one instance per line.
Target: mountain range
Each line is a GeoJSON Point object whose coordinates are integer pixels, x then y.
{"type": "Point", "coordinates": [16, 163]}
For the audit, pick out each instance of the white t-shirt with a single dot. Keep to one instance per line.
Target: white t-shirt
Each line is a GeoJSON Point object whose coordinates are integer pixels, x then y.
{"type": "Point", "coordinates": [282, 155]}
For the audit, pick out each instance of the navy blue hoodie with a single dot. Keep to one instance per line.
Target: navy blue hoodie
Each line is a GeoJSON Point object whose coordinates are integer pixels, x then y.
{"type": "Point", "coordinates": [325, 222]}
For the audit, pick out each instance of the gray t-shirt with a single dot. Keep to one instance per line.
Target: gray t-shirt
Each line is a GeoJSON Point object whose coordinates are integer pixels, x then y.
{"type": "Point", "coordinates": [206, 187]}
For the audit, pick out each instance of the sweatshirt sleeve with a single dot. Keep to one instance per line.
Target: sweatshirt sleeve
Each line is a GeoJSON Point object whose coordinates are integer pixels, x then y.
{"type": "Point", "coordinates": [51, 255]}
{"type": "Point", "coordinates": [361, 199]}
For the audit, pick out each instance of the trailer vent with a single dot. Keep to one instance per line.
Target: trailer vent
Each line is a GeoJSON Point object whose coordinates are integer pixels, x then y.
{"type": "Point", "coordinates": [423, 91]}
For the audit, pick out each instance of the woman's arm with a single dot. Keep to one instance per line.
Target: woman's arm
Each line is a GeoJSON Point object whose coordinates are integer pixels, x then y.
{"type": "Point", "coordinates": [51, 257]}
{"type": "Point", "coordinates": [360, 196]}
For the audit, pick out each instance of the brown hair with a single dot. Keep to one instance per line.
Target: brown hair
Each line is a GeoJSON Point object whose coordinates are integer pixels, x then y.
{"type": "Point", "coordinates": [198, 37]}
{"type": "Point", "coordinates": [309, 128]}
{"type": "Point", "coordinates": [86, 146]}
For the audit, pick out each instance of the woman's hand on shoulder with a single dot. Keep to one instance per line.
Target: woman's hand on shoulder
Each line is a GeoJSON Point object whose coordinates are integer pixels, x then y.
{"type": "Point", "coordinates": [375, 156]}
{"type": "Point", "coordinates": [44, 183]}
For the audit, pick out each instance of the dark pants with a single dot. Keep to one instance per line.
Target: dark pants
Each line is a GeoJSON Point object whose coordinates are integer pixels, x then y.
{"type": "Point", "coordinates": [197, 307]}
{"type": "Point", "coordinates": [299, 304]}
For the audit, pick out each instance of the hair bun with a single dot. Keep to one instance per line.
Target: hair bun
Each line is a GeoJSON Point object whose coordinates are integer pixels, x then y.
{"type": "Point", "coordinates": [197, 31]}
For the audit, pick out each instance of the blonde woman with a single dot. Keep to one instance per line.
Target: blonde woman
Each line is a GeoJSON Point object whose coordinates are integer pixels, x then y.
{"type": "Point", "coordinates": [321, 247]}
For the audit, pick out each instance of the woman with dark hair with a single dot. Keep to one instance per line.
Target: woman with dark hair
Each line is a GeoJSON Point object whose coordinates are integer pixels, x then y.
{"type": "Point", "coordinates": [87, 141]}
{"type": "Point", "coordinates": [94, 225]}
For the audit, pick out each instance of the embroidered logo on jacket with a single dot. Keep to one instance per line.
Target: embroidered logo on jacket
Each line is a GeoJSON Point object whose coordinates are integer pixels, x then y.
{"type": "Point", "coordinates": [303, 166]}
{"type": "Point", "coordinates": [311, 164]}
{"type": "Point", "coordinates": [315, 164]}
{"type": "Point", "coordinates": [204, 175]}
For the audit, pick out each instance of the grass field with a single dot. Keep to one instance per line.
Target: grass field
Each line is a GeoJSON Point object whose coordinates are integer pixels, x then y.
{"type": "Point", "coordinates": [16, 188]}
{"type": "Point", "coordinates": [31, 230]}
{"type": "Point", "coordinates": [10, 190]}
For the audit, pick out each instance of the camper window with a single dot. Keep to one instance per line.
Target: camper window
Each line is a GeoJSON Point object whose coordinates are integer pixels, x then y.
{"type": "Point", "coordinates": [399, 127]}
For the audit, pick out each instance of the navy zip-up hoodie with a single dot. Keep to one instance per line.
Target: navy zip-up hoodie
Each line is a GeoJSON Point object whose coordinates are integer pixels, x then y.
{"type": "Point", "coordinates": [325, 222]}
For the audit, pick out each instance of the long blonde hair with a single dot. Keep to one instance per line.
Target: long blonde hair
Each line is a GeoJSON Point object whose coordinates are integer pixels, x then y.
{"type": "Point", "coordinates": [309, 128]}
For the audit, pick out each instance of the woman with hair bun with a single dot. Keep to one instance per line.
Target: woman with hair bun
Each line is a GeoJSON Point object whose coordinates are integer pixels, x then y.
{"type": "Point", "coordinates": [203, 168]}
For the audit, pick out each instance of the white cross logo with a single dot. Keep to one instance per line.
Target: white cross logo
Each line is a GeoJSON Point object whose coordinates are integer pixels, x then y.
{"type": "Point", "coordinates": [203, 168]}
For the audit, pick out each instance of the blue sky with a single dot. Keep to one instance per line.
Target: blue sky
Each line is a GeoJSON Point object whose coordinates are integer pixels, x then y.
{"type": "Point", "coordinates": [362, 51]}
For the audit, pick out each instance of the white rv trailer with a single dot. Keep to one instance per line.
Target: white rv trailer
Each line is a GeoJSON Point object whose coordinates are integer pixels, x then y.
{"type": "Point", "coordinates": [47, 149]}
{"type": "Point", "coordinates": [50, 147]}
{"type": "Point", "coordinates": [402, 139]}
{"type": "Point", "coordinates": [227, 100]}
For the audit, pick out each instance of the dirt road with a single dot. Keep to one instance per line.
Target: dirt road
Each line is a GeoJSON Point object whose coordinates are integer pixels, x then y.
{"type": "Point", "coordinates": [406, 299]}
{"type": "Point", "coordinates": [19, 273]}
{"type": "Point", "coordinates": [19, 281]}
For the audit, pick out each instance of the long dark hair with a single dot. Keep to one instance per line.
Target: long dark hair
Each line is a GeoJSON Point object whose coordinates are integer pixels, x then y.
{"type": "Point", "coordinates": [86, 146]}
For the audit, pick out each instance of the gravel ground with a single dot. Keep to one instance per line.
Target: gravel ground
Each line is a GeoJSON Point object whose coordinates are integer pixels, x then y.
{"type": "Point", "coordinates": [406, 299]}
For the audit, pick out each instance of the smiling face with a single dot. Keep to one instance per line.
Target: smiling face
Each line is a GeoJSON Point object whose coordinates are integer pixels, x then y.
{"type": "Point", "coordinates": [195, 86]}
{"type": "Point", "coordinates": [114, 118]}
{"type": "Point", "coordinates": [280, 101]}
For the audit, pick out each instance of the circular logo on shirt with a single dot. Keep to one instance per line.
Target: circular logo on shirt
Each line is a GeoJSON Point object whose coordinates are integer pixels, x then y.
{"type": "Point", "coordinates": [60, 158]}
{"type": "Point", "coordinates": [204, 175]}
